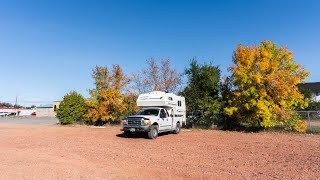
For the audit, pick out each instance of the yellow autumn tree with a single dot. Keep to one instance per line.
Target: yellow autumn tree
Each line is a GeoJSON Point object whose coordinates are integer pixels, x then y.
{"type": "Point", "coordinates": [264, 86]}
{"type": "Point", "coordinates": [130, 100]}
{"type": "Point", "coordinates": [107, 103]}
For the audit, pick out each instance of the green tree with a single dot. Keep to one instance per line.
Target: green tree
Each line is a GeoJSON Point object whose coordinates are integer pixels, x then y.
{"type": "Point", "coordinates": [264, 80]}
{"type": "Point", "coordinates": [202, 92]}
{"type": "Point", "coordinates": [18, 106]}
{"type": "Point", "coordinates": [71, 109]}
{"type": "Point", "coordinates": [4, 104]}
{"type": "Point", "coordinates": [313, 105]}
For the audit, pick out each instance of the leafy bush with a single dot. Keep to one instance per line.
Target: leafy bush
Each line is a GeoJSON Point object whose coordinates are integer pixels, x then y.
{"type": "Point", "coordinates": [300, 126]}
{"type": "Point", "coordinates": [296, 124]}
{"type": "Point", "coordinates": [71, 109]}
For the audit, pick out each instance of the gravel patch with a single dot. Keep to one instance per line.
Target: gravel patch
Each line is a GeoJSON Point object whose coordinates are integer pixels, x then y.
{"type": "Point", "coordinates": [57, 152]}
{"type": "Point", "coordinates": [29, 120]}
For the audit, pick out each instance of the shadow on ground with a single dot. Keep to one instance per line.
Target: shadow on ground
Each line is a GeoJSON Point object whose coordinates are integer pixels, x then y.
{"type": "Point", "coordinates": [141, 135]}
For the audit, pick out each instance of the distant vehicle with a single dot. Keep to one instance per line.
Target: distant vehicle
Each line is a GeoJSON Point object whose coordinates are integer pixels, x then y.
{"type": "Point", "coordinates": [33, 114]}
{"type": "Point", "coordinates": [12, 114]}
{"type": "Point", "coordinates": [4, 114]}
{"type": "Point", "coordinates": [160, 112]}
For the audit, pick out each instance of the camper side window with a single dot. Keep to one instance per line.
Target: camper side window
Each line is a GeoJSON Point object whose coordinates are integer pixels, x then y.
{"type": "Point", "coordinates": [170, 98]}
{"type": "Point", "coordinates": [179, 103]}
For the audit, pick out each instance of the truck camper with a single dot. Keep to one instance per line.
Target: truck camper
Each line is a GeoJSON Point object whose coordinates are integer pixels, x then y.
{"type": "Point", "coordinates": [160, 112]}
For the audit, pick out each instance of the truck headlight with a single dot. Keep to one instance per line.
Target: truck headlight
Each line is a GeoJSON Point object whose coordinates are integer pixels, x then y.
{"type": "Point", "coordinates": [124, 122]}
{"type": "Point", "coordinates": [146, 122]}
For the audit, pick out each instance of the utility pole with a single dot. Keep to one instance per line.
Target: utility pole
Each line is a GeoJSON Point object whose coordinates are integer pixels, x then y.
{"type": "Point", "coordinates": [15, 105]}
{"type": "Point", "coordinates": [16, 100]}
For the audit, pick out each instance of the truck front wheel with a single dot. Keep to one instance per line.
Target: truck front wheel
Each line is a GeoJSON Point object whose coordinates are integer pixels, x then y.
{"type": "Point", "coordinates": [127, 134]}
{"type": "Point", "coordinates": [153, 133]}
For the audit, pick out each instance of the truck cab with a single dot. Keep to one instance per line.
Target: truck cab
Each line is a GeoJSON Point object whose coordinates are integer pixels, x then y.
{"type": "Point", "coordinates": [151, 120]}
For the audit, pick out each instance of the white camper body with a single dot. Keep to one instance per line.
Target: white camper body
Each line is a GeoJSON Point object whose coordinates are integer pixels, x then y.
{"type": "Point", "coordinates": [160, 112]}
{"type": "Point", "coordinates": [175, 105]}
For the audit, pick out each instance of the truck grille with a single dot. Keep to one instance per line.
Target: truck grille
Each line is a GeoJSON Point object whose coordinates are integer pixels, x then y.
{"type": "Point", "coordinates": [134, 121]}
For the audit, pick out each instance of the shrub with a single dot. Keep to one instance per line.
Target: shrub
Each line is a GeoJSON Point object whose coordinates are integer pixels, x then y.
{"type": "Point", "coordinates": [300, 126]}
{"type": "Point", "coordinates": [71, 109]}
{"type": "Point", "coordinates": [296, 124]}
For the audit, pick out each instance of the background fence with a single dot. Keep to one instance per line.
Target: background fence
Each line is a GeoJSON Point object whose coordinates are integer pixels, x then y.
{"type": "Point", "coordinates": [312, 118]}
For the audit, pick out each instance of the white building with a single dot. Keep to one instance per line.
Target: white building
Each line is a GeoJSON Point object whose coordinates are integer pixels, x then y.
{"type": "Point", "coordinates": [4, 111]}
{"type": "Point", "coordinates": [48, 110]}
{"type": "Point", "coordinates": [314, 87]}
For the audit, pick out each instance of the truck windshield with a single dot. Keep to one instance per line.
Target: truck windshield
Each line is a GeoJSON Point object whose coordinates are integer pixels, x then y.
{"type": "Point", "coordinates": [151, 112]}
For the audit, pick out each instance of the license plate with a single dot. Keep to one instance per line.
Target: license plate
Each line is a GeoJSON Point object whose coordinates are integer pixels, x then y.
{"type": "Point", "coordinates": [132, 129]}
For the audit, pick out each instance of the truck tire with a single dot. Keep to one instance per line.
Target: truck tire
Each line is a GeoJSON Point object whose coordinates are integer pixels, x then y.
{"type": "Point", "coordinates": [153, 133]}
{"type": "Point", "coordinates": [178, 129]}
{"type": "Point", "coordinates": [127, 134]}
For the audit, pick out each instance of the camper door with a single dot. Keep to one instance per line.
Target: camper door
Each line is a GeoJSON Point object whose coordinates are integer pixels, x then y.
{"type": "Point", "coordinates": [164, 118]}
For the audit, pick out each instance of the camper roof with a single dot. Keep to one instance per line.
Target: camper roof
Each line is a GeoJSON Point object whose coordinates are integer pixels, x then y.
{"type": "Point", "coordinates": [157, 99]}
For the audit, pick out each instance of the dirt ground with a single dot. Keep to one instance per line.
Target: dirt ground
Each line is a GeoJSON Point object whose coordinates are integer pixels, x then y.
{"type": "Point", "coordinates": [55, 152]}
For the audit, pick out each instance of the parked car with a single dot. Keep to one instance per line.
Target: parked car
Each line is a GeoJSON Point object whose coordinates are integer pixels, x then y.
{"type": "Point", "coordinates": [4, 114]}
{"type": "Point", "coordinates": [12, 114]}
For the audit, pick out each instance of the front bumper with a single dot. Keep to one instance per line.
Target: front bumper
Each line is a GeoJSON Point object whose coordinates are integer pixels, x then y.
{"type": "Point", "coordinates": [130, 128]}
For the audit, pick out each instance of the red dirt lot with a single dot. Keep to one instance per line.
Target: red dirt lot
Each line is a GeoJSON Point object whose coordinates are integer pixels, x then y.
{"type": "Point", "coordinates": [55, 152]}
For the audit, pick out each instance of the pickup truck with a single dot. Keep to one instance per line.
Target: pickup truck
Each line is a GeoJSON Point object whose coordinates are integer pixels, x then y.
{"type": "Point", "coordinates": [151, 120]}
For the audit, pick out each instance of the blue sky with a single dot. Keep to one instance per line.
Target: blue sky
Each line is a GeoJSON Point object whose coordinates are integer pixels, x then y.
{"type": "Point", "coordinates": [48, 48]}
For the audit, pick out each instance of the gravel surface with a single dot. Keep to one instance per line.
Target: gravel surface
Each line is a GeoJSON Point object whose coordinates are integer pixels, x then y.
{"type": "Point", "coordinates": [56, 152]}
{"type": "Point", "coordinates": [29, 120]}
